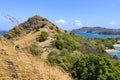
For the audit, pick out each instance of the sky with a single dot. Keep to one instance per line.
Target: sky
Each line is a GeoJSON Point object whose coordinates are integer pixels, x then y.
{"type": "Point", "coordinates": [67, 14]}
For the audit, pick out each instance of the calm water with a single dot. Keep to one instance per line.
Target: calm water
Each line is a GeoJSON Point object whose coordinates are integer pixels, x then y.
{"type": "Point", "coordinates": [117, 53]}
{"type": "Point", "coordinates": [2, 32]}
{"type": "Point", "coordinates": [93, 35]}
{"type": "Point", "coordinates": [117, 48]}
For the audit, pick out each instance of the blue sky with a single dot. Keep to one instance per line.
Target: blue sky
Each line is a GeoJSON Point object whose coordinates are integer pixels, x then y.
{"type": "Point", "coordinates": [67, 14]}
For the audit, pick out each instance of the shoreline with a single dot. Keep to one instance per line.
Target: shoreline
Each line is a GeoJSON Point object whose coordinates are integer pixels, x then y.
{"type": "Point", "coordinates": [116, 45]}
{"type": "Point", "coordinates": [111, 50]}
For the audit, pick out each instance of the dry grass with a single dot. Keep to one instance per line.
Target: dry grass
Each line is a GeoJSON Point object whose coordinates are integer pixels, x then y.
{"type": "Point", "coordinates": [51, 73]}
{"type": "Point", "coordinates": [27, 66]}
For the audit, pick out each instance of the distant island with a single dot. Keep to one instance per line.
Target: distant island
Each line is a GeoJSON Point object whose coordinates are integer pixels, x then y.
{"type": "Point", "coordinates": [98, 30]}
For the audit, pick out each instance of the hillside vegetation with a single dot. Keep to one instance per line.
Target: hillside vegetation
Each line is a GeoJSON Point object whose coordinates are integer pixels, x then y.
{"type": "Point", "coordinates": [39, 50]}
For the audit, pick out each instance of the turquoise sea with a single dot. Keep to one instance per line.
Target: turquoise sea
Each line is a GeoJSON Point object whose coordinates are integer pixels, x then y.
{"type": "Point", "coordinates": [94, 35]}
{"type": "Point", "coordinates": [117, 53]}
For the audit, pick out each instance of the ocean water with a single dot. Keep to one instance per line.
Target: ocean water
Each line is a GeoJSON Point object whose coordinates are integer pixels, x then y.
{"type": "Point", "coordinates": [117, 53]}
{"type": "Point", "coordinates": [2, 32]}
{"type": "Point", "coordinates": [94, 35]}
{"type": "Point", "coordinates": [117, 47]}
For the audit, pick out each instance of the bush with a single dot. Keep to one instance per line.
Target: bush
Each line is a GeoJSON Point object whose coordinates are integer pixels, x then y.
{"type": "Point", "coordinates": [34, 49]}
{"type": "Point", "coordinates": [58, 31]}
{"type": "Point", "coordinates": [37, 28]}
{"type": "Point", "coordinates": [42, 37]}
{"type": "Point", "coordinates": [17, 47]}
{"type": "Point", "coordinates": [45, 19]}
{"type": "Point", "coordinates": [64, 59]}
{"type": "Point", "coordinates": [108, 43]}
{"type": "Point", "coordinates": [51, 27]}
{"type": "Point", "coordinates": [91, 67]}
{"type": "Point", "coordinates": [59, 44]}
{"type": "Point", "coordinates": [65, 41]}
{"type": "Point", "coordinates": [30, 20]}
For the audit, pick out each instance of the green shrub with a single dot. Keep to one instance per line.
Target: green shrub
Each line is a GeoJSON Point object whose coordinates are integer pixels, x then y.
{"type": "Point", "coordinates": [108, 43]}
{"type": "Point", "coordinates": [42, 37]}
{"type": "Point", "coordinates": [58, 31]}
{"type": "Point", "coordinates": [37, 28]}
{"type": "Point", "coordinates": [34, 49]}
{"type": "Point", "coordinates": [91, 67]}
{"type": "Point", "coordinates": [51, 27]}
{"type": "Point", "coordinates": [58, 44]}
{"type": "Point", "coordinates": [45, 19]}
{"type": "Point", "coordinates": [86, 67]}
{"type": "Point", "coordinates": [65, 41]}
{"type": "Point", "coordinates": [64, 59]}
{"type": "Point", "coordinates": [16, 31]}
{"type": "Point", "coordinates": [17, 46]}
{"type": "Point", "coordinates": [30, 20]}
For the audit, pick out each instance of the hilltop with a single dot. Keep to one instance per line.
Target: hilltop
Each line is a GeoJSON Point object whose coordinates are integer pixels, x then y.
{"type": "Point", "coordinates": [99, 30]}
{"type": "Point", "coordinates": [39, 50]}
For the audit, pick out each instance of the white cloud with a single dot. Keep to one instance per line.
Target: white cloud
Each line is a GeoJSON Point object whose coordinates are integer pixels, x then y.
{"type": "Point", "coordinates": [112, 23]}
{"type": "Point", "coordinates": [61, 21]}
{"type": "Point", "coordinates": [77, 23]}
{"type": "Point", "coordinates": [68, 25]}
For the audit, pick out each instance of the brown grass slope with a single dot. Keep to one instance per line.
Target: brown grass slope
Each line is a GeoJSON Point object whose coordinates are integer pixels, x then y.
{"type": "Point", "coordinates": [16, 62]}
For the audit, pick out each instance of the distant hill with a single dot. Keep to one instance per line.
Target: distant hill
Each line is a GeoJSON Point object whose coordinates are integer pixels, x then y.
{"type": "Point", "coordinates": [99, 30]}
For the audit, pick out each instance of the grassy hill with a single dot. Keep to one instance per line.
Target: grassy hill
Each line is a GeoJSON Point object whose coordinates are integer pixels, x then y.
{"type": "Point", "coordinates": [39, 50]}
{"type": "Point", "coordinates": [20, 53]}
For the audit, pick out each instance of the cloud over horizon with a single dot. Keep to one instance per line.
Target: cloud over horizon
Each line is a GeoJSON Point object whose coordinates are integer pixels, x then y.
{"type": "Point", "coordinates": [73, 24]}
{"type": "Point", "coordinates": [60, 21]}
{"type": "Point", "coordinates": [112, 23]}
{"type": "Point", "coordinates": [77, 23]}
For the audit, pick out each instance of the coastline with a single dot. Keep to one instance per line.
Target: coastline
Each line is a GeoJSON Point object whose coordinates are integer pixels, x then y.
{"type": "Point", "coordinates": [111, 50]}
{"type": "Point", "coordinates": [116, 45]}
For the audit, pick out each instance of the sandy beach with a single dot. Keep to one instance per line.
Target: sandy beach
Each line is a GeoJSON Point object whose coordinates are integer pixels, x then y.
{"type": "Point", "coordinates": [116, 45]}
{"type": "Point", "coordinates": [111, 50]}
